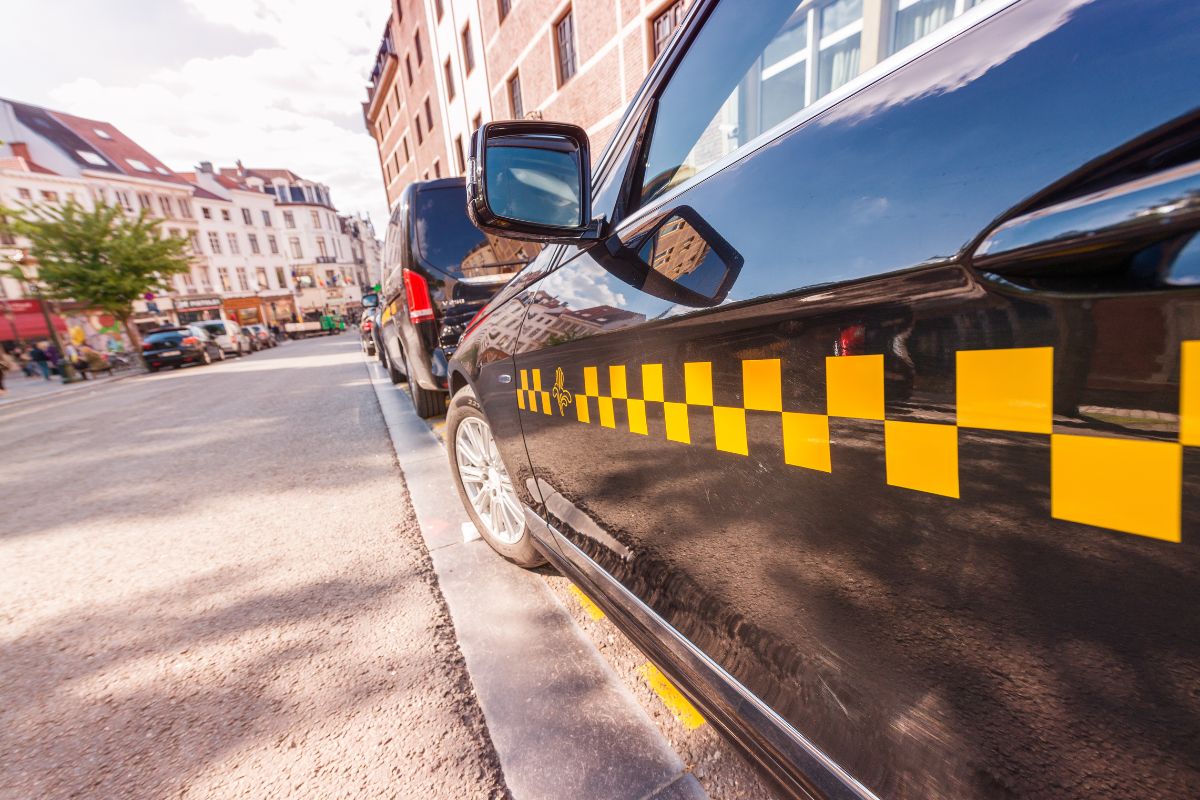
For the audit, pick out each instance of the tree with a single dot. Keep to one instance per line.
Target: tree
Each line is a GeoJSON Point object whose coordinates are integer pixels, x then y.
{"type": "Point", "coordinates": [102, 258]}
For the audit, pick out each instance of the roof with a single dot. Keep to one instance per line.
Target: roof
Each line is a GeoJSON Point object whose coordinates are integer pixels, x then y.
{"type": "Point", "coordinates": [92, 144]}
{"type": "Point", "coordinates": [21, 164]}
{"type": "Point", "coordinates": [205, 194]}
{"type": "Point", "coordinates": [267, 175]}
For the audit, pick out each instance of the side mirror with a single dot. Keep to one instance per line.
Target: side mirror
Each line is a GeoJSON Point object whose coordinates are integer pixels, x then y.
{"type": "Point", "coordinates": [370, 300]}
{"type": "Point", "coordinates": [530, 179]}
{"type": "Point", "coordinates": [679, 258]}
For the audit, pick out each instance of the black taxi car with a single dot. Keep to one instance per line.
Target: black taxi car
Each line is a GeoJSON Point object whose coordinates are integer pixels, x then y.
{"type": "Point", "coordinates": [860, 384]}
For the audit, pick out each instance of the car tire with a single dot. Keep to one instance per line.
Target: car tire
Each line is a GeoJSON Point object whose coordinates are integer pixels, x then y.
{"type": "Point", "coordinates": [472, 452]}
{"type": "Point", "coordinates": [427, 404]}
{"type": "Point", "coordinates": [205, 358]}
{"type": "Point", "coordinates": [220, 354]}
{"type": "Point", "coordinates": [395, 375]}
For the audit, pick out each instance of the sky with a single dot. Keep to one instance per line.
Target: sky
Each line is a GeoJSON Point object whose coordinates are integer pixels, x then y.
{"type": "Point", "coordinates": [276, 83]}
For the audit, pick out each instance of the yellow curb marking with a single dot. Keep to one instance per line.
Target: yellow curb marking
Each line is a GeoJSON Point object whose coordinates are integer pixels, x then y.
{"type": "Point", "coordinates": [589, 607]}
{"type": "Point", "coordinates": [676, 703]}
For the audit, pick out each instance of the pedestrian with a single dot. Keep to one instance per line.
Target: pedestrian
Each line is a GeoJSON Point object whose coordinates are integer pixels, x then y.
{"type": "Point", "coordinates": [75, 359]}
{"type": "Point", "coordinates": [6, 364]}
{"type": "Point", "coordinates": [40, 360]}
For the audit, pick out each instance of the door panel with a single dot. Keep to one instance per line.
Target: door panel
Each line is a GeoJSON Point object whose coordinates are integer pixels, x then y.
{"type": "Point", "coordinates": [941, 522]}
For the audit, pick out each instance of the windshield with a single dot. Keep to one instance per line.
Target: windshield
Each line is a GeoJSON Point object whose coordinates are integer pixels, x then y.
{"type": "Point", "coordinates": [164, 336]}
{"type": "Point", "coordinates": [447, 240]}
{"type": "Point", "coordinates": [215, 328]}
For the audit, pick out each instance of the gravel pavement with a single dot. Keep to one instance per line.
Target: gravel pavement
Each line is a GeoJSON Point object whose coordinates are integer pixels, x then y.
{"type": "Point", "coordinates": [211, 585]}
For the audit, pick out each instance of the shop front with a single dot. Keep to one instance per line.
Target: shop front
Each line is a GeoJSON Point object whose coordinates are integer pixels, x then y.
{"type": "Point", "coordinates": [197, 309]}
{"type": "Point", "coordinates": [244, 310]}
{"type": "Point", "coordinates": [279, 305]}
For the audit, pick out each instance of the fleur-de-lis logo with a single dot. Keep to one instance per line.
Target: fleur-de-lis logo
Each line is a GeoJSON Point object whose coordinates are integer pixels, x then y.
{"type": "Point", "coordinates": [561, 394]}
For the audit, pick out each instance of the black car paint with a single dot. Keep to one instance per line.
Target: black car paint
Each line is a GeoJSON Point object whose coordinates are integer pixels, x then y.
{"type": "Point", "coordinates": [166, 340]}
{"type": "Point", "coordinates": [428, 344]}
{"type": "Point", "coordinates": [929, 646]}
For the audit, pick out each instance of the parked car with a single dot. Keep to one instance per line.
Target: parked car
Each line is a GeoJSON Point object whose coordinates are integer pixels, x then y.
{"type": "Point", "coordinates": [174, 347]}
{"type": "Point", "coordinates": [260, 336]}
{"type": "Point", "coordinates": [860, 385]}
{"type": "Point", "coordinates": [440, 270]}
{"type": "Point", "coordinates": [368, 324]}
{"type": "Point", "coordinates": [232, 338]}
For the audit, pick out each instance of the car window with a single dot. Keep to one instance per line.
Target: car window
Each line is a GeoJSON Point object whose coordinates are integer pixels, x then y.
{"type": "Point", "coordinates": [215, 328]}
{"type": "Point", "coordinates": [745, 73]}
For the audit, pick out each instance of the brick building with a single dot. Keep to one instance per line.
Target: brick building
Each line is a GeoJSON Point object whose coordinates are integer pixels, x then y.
{"type": "Point", "coordinates": [576, 61]}
{"type": "Point", "coordinates": [404, 110]}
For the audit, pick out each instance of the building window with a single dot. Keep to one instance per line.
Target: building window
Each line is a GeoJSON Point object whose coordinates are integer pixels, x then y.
{"type": "Point", "coordinates": [254, 248]}
{"type": "Point", "coordinates": [316, 219]}
{"type": "Point", "coordinates": [214, 242]}
{"type": "Point", "coordinates": [165, 204]}
{"type": "Point", "coordinates": [417, 124]}
{"type": "Point", "coordinates": [185, 208]}
{"type": "Point", "coordinates": [281, 282]}
{"type": "Point", "coordinates": [261, 275]}
{"type": "Point", "coordinates": [188, 282]}
{"type": "Point", "coordinates": [564, 45]}
{"type": "Point", "coordinates": [243, 281]}
{"type": "Point", "coordinates": [233, 244]}
{"type": "Point", "coordinates": [289, 220]}
{"type": "Point", "coordinates": [417, 47]}
{"type": "Point", "coordinates": [468, 50]}
{"type": "Point", "coordinates": [321, 247]}
{"type": "Point", "coordinates": [195, 239]}
{"type": "Point", "coordinates": [246, 218]}
{"type": "Point", "coordinates": [52, 197]}
{"type": "Point", "coordinates": [514, 96]}
{"type": "Point", "coordinates": [437, 169]}
{"type": "Point", "coordinates": [665, 24]}
{"type": "Point", "coordinates": [476, 122]}
{"type": "Point", "coordinates": [505, 6]}
{"type": "Point", "coordinates": [396, 162]}
{"type": "Point", "coordinates": [449, 80]}
{"type": "Point", "coordinates": [458, 155]}
{"type": "Point", "coordinates": [225, 214]}
{"type": "Point", "coordinates": [223, 274]}
{"type": "Point", "coordinates": [140, 166]}
{"type": "Point", "coordinates": [206, 212]}
{"type": "Point", "coordinates": [143, 200]}
{"type": "Point", "coordinates": [266, 218]}
{"type": "Point", "coordinates": [387, 110]}
{"type": "Point", "coordinates": [408, 68]}
{"type": "Point", "coordinates": [294, 243]}
{"type": "Point", "coordinates": [428, 116]}
{"type": "Point", "coordinates": [272, 245]}
{"type": "Point", "coordinates": [123, 199]}
{"type": "Point", "coordinates": [437, 8]}
{"type": "Point", "coordinates": [917, 18]}
{"type": "Point", "coordinates": [406, 154]}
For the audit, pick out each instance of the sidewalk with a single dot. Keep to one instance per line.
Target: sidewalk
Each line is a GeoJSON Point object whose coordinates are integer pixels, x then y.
{"type": "Point", "coordinates": [21, 388]}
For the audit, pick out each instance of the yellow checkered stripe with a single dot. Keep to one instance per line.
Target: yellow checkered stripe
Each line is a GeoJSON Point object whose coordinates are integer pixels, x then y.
{"type": "Point", "coordinates": [1129, 485]}
{"type": "Point", "coordinates": [530, 395]}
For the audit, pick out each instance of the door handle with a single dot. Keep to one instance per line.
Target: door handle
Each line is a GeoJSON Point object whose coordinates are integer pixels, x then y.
{"type": "Point", "coordinates": [1120, 219]}
{"type": "Point", "coordinates": [504, 377]}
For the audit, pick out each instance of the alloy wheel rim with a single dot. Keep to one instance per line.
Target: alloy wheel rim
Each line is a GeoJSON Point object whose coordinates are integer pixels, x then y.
{"type": "Point", "coordinates": [486, 481]}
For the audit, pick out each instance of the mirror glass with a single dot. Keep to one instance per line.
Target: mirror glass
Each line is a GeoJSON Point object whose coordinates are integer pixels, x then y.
{"type": "Point", "coordinates": [535, 179]}
{"type": "Point", "coordinates": [688, 261]}
{"type": "Point", "coordinates": [370, 300]}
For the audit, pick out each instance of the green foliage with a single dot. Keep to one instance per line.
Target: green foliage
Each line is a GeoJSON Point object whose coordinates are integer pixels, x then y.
{"type": "Point", "coordinates": [102, 258]}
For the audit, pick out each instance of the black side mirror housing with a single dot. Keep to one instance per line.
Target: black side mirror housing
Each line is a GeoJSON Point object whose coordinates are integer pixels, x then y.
{"type": "Point", "coordinates": [531, 180]}
{"type": "Point", "coordinates": [370, 300]}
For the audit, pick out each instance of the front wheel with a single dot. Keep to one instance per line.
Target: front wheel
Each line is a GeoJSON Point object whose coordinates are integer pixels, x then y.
{"type": "Point", "coordinates": [483, 483]}
{"type": "Point", "coordinates": [205, 358]}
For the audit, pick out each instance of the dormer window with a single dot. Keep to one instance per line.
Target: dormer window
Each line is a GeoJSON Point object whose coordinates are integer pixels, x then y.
{"type": "Point", "coordinates": [140, 166]}
{"type": "Point", "coordinates": [162, 170]}
{"type": "Point", "coordinates": [103, 134]}
{"type": "Point", "coordinates": [92, 158]}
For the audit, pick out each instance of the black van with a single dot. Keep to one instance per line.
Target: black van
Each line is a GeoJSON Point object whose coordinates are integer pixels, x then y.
{"type": "Point", "coordinates": [440, 270]}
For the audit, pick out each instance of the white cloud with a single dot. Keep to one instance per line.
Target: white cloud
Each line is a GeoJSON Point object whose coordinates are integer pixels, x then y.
{"type": "Point", "coordinates": [291, 100]}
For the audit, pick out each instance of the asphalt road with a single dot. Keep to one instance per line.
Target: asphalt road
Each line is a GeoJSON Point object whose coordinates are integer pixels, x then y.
{"type": "Point", "coordinates": [211, 585]}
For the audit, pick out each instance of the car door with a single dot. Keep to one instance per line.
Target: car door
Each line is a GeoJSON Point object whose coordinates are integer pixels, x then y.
{"type": "Point", "coordinates": [917, 483]}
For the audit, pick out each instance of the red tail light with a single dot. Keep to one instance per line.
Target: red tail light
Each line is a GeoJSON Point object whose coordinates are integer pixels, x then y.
{"type": "Point", "coordinates": [420, 307]}
{"type": "Point", "coordinates": [366, 326]}
{"type": "Point", "coordinates": [147, 346]}
{"type": "Point", "coordinates": [191, 340]}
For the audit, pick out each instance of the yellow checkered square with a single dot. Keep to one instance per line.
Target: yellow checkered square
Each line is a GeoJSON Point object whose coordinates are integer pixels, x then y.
{"type": "Point", "coordinates": [676, 418]}
{"type": "Point", "coordinates": [652, 383]}
{"type": "Point", "coordinates": [616, 382]}
{"type": "Point", "coordinates": [1006, 390]}
{"type": "Point", "coordinates": [636, 410]}
{"type": "Point", "coordinates": [854, 386]}
{"type": "Point", "coordinates": [762, 384]}
{"type": "Point", "coordinates": [729, 429]}
{"type": "Point", "coordinates": [697, 383]}
{"type": "Point", "coordinates": [806, 440]}
{"type": "Point", "coordinates": [922, 456]}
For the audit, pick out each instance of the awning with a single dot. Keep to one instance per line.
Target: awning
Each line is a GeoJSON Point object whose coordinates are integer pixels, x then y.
{"type": "Point", "coordinates": [22, 319]}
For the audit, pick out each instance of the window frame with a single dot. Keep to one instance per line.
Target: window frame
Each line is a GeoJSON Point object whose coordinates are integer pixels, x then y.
{"type": "Point", "coordinates": [568, 68]}
{"type": "Point", "coordinates": [516, 101]}
{"type": "Point", "coordinates": [468, 48]}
